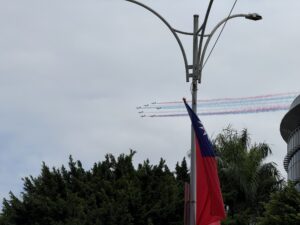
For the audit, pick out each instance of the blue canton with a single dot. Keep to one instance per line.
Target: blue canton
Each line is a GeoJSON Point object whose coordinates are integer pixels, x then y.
{"type": "Point", "coordinates": [201, 135]}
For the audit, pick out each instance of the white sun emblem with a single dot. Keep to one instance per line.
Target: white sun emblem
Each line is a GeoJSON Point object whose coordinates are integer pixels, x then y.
{"type": "Point", "coordinates": [202, 128]}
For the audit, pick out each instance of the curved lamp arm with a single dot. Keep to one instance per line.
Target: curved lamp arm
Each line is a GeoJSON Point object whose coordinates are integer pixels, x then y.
{"type": "Point", "coordinates": [190, 33]}
{"type": "Point", "coordinates": [247, 16]}
{"type": "Point", "coordinates": [203, 27]}
{"type": "Point", "coordinates": [173, 32]}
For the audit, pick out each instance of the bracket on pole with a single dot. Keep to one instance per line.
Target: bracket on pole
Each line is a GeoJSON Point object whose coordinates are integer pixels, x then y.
{"type": "Point", "coordinates": [190, 72]}
{"type": "Point", "coordinates": [195, 74]}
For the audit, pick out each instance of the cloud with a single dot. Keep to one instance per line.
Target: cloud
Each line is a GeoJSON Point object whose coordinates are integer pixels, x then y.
{"type": "Point", "coordinates": [72, 73]}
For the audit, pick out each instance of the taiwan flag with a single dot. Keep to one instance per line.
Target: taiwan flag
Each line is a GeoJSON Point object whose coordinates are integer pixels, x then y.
{"type": "Point", "coordinates": [209, 201]}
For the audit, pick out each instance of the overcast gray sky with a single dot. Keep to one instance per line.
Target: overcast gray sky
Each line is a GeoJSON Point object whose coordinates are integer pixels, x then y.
{"type": "Point", "coordinates": [72, 73]}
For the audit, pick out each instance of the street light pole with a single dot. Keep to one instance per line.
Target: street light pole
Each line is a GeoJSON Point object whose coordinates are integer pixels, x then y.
{"type": "Point", "coordinates": [193, 195]}
{"type": "Point", "coordinates": [196, 75]}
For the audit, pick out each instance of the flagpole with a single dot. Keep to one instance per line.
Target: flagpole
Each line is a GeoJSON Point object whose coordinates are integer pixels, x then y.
{"type": "Point", "coordinates": [193, 193]}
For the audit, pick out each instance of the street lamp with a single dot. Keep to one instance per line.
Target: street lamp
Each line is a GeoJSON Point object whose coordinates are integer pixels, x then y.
{"type": "Point", "coordinates": [250, 16]}
{"type": "Point", "coordinates": [253, 16]}
{"type": "Point", "coordinates": [194, 71]}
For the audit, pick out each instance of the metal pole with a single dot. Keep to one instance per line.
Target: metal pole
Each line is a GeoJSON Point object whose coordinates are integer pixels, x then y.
{"type": "Point", "coordinates": [198, 60]}
{"type": "Point", "coordinates": [194, 107]}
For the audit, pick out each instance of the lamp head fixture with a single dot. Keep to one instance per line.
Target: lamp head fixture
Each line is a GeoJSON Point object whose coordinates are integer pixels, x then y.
{"type": "Point", "coordinates": [253, 16]}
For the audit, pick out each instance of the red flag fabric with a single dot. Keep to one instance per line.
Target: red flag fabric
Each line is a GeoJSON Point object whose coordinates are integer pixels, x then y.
{"type": "Point", "coordinates": [215, 223]}
{"type": "Point", "coordinates": [209, 202]}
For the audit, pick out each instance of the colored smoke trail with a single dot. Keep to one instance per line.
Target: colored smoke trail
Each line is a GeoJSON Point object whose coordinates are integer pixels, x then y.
{"type": "Point", "coordinates": [207, 103]}
{"type": "Point", "coordinates": [292, 94]}
{"type": "Point", "coordinates": [230, 112]}
{"type": "Point", "coordinates": [222, 106]}
{"type": "Point", "coordinates": [226, 104]}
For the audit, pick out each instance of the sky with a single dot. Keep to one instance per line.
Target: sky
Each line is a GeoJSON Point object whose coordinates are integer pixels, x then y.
{"type": "Point", "coordinates": [72, 73]}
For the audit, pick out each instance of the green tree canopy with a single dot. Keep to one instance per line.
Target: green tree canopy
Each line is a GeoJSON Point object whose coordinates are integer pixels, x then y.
{"type": "Point", "coordinates": [247, 180]}
{"type": "Point", "coordinates": [283, 207]}
{"type": "Point", "coordinates": [113, 192]}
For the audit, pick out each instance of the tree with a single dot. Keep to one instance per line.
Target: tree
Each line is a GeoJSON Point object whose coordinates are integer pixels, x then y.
{"type": "Point", "coordinates": [113, 192]}
{"type": "Point", "coordinates": [246, 179]}
{"type": "Point", "coordinates": [283, 207]}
